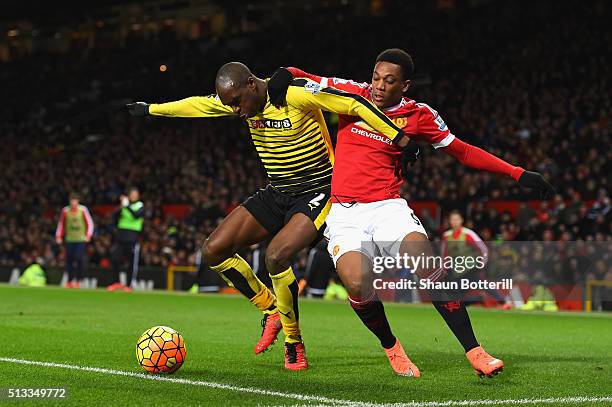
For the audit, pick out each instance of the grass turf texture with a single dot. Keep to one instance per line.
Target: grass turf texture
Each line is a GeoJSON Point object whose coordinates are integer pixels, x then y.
{"type": "Point", "coordinates": [546, 355]}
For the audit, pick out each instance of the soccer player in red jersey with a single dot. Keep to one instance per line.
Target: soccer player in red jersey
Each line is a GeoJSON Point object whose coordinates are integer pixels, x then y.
{"type": "Point", "coordinates": [367, 206]}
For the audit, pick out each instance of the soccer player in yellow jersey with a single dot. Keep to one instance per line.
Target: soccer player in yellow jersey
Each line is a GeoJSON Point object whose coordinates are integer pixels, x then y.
{"type": "Point", "coordinates": [295, 148]}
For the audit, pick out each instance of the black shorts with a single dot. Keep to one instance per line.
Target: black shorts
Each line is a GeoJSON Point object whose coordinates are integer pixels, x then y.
{"type": "Point", "coordinates": [273, 209]}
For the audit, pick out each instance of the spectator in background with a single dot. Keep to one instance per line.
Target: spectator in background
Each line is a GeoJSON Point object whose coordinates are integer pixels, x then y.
{"type": "Point", "coordinates": [461, 241]}
{"type": "Point", "coordinates": [75, 227]}
{"type": "Point", "coordinates": [130, 219]}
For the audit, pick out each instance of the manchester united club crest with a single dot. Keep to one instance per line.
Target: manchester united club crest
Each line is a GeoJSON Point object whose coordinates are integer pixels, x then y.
{"type": "Point", "coordinates": [400, 122]}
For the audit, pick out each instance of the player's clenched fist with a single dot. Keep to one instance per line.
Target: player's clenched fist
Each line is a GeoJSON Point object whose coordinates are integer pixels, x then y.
{"type": "Point", "coordinates": [138, 109]}
{"type": "Point", "coordinates": [535, 180]}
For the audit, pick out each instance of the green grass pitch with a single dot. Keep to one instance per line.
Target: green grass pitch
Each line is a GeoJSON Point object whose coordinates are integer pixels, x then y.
{"type": "Point", "coordinates": [546, 356]}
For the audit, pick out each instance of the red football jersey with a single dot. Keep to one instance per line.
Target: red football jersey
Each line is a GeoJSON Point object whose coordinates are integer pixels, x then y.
{"type": "Point", "coordinates": [371, 170]}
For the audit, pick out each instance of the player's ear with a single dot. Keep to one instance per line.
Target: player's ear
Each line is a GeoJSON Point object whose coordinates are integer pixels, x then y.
{"type": "Point", "coordinates": [251, 83]}
{"type": "Point", "coordinates": [406, 85]}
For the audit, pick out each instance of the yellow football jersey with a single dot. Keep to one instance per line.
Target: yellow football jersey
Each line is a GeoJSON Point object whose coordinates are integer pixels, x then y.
{"type": "Point", "coordinates": [292, 141]}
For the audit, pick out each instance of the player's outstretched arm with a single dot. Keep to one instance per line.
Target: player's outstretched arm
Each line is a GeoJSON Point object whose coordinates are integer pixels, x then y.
{"type": "Point", "coordinates": [283, 77]}
{"type": "Point", "coordinates": [307, 95]}
{"type": "Point", "coordinates": [431, 128]}
{"type": "Point", "coordinates": [478, 158]}
{"type": "Point", "coordinates": [195, 106]}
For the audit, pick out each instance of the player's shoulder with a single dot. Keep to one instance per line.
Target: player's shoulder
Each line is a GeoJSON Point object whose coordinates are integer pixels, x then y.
{"type": "Point", "coordinates": [301, 87]}
{"type": "Point", "coordinates": [341, 81]}
{"type": "Point", "coordinates": [66, 208]}
{"type": "Point", "coordinates": [406, 106]}
{"type": "Point", "coordinates": [428, 116]}
{"type": "Point", "coordinates": [361, 88]}
{"type": "Point", "coordinates": [469, 232]}
{"type": "Point", "coordinates": [303, 83]}
{"type": "Point", "coordinates": [332, 85]}
{"type": "Point", "coordinates": [425, 109]}
{"type": "Point", "coordinates": [448, 233]}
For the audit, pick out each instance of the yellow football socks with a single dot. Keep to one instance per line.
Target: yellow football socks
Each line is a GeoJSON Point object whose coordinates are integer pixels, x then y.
{"type": "Point", "coordinates": [286, 289]}
{"type": "Point", "coordinates": [237, 272]}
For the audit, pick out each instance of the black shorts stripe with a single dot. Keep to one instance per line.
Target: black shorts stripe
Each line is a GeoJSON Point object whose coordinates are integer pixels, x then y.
{"type": "Point", "coordinates": [324, 178]}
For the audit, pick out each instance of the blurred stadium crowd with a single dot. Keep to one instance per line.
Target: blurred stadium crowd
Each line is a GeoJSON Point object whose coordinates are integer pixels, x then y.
{"type": "Point", "coordinates": [526, 81]}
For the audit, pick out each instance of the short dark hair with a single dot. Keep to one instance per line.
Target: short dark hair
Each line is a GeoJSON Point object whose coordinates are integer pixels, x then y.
{"type": "Point", "coordinates": [73, 195]}
{"type": "Point", "coordinates": [455, 212]}
{"type": "Point", "coordinates": [232, 74]}
{"type": "Point", "coordinates": [398, 57]}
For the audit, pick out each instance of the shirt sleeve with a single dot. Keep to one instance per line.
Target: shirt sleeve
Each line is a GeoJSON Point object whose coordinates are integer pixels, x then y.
{"type": "Point", "coordinates": [59, 231]}
{"type": "Point", "coordinates": [136, 209]}
{"type": "Point", "coordinates": [431, 128]}
{"type": "Point", "coordinates": [307, 95]}
{"type": "Point", "coordinates": [89, 222]}
{"type": "Point", "coordinates": [195, 106]}
{"type": "Point", "coordinates": [345, 85]}
{"type": "Point", "coordinates": [473, 240]}
{"type": "Point", "coordinates": [477, 158]}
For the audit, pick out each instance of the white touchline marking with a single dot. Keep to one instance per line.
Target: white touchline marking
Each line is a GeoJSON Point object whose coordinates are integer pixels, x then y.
{"type": "Point", "coordinates": [296, 396]}
{"type": "Point", "coordinates": [459, 403]}
{"type": "Point", "coordinates": [320, 399]}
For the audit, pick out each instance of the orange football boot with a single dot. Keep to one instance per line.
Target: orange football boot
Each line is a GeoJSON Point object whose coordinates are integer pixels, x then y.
{"type": "Point", "coordinates": [483, 363]}
{"type": "Point", "coordinates": [295, 356]}
{"type": "Point", "coordinates": [114, 287]}
{"type": "Point", "coordinates": [271, 325]}
{"type": "Point", "coordinates": [400, 362]}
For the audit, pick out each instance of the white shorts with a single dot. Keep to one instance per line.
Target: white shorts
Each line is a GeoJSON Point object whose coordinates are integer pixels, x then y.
{"type": "Point", "coordinates": [374, 228]}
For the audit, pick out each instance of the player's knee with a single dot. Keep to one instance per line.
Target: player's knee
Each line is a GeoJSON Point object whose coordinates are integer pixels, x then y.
{"type": "Point", "coordinates": [216, 251]}
{"type": "Point", "coordinates": [354, 288]}
{"type": "Point", "coordinates": [277, 260]}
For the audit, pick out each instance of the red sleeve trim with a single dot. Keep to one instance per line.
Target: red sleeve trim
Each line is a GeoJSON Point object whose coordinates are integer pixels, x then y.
{"type": "Point", "coordinates": [88, 222]}
{"type": "Point", "coordinates": [298, 73]}
{"type": "Point", "coordinates": [59, 231]}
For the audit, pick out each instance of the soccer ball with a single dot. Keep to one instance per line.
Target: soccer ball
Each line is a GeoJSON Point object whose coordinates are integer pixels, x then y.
{"type": "Point", "coordinates": [160, 350]}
